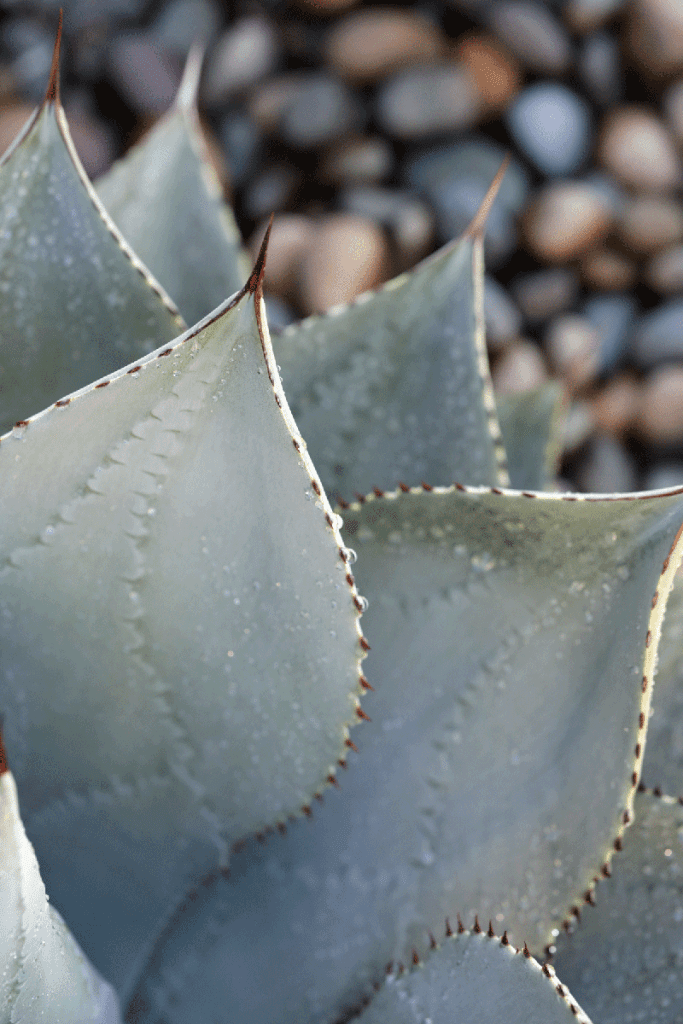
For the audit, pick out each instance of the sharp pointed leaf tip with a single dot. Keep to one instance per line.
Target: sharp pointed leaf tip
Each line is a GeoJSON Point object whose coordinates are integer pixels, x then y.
{"type": "Point", "coordinates": [256, 279]}
{"type": "Point", "coordinates": [52, 92]}
{"type": "Point", "coordinates": [188, 91]}
{"type": "Point", "coordinates": [478, 225]}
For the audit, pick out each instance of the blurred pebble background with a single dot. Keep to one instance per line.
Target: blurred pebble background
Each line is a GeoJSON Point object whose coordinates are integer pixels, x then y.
{"type": "Point", "coordinates": [373, 132]}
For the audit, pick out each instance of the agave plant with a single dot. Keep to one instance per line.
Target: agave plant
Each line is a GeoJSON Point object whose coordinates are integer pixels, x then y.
{"type": "Point", "coordinates": [182, 662]}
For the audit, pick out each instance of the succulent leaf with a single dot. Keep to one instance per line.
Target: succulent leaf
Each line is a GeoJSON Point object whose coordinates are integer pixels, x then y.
{"type": "Point", "coordinates": [508, 637]}
{"type": "Point", "coordinates": [624, 960]}
{"type": "Point", "coordinates": [44, 975]}
{"type": "Point", "coordinates": [179, 634]}
{"type": "Point", "coordinates": [474, 977]}
{"type": "Point", "coordinates": [396, 386]}
{"type": "Point", "coordinates": [663, 764]}
{"type": "Point", "coordinates": [167, 201]}
{"type": "Point", "coordinates": [531, 427]}
{"type": "Point", "coordinates": [75, 303]}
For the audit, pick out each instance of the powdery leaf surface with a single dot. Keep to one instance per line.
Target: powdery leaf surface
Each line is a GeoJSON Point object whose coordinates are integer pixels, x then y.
{"type": "Point", "coordinates": [625, 960]}
{"type": "Point", "coordinates": [396, 386]}
{"type": "Point", "coordinates": [512, 645]}
{"type": "Point", "coordinates": [531, 427]}
{"type": "Point", "coordinates": [75, 303]}
{"type": "Point", "coordinates": [179, 638]}
{"type": "Point", "coordinates": [167, 201]}
{"type": "Point", "coordinates": [44, 976]}
{"type": "Point", "coordinates": [474, 977]}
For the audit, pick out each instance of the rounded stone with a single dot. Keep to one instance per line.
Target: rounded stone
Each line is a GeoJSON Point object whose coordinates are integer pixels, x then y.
{"type": "Point", "coordinates": [604, 269]}
{"type": "Point", "coordinates": [573, 347]}
{"type": "Point", "coordinates": [658, 335]}
{"type": "Point", "coordinates": [494, 71]}
{"type": "Point", "coordinates": [649, 223]}
{"type": "Point", "coordinates": [364, 160]}
{"type": "Point", "coordinates": [502, 318]}
{"type": "Point", "coordinates": [533, 34]}
{"type": "Point", "coordinates": [319, 112]}
{"type": "Point", "coordinates": [600, 69]}
{"type": "Point", "coordinates": [664, 272]}
{"type": "Point", "coordinates": [588, 15]}
{"type": "Point", "coordinates": [290, 237]}
{"type": "Point", "coordinates": [660, 411]}
{"type": "Point", "coordinates": [370, 44]}
{"type": "Point", "coordinates": [673, 108]}
{"type": "Point", "coordinates": [613, 315]}
{"type": "Point", "coordinates": [566, 220]}
{"type": "Point", "coordinates": [521, 368]}
{"type": "Point", "coordinates": [427, 101]}
{"type": "Point", "coordinates": [638, 149]}
{"type": "Point", "coordinates": [655, 34]}
{"type": "Point", "coordinates": [616, 406]}
{"type": "Point", "coordinates": [544, 293]}
{"type": "Point", "coordinates": [244, 54]}
{"type": "Point", "coordinates": [552, 125]}
{"type": "Point", "coordinates": [348, 255]}
{"type": "Point", "coordinates": [408, 220]}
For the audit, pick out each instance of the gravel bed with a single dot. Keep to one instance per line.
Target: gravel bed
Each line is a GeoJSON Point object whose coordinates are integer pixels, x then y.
{"type": "Point", "coordinates": [373, 132]}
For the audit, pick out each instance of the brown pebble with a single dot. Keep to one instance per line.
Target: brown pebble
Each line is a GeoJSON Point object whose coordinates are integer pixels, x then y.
{"type": "Point", "coordinates": [607, 270]}
{"type": "Point", "coordinates": [637, 147]}
{"type": "Point", "coordinates": [673, 108]}
{"type": "Point", "coordinates": [616, 406]}
{"type": "Point", "coordinates": [660, 410]}
{"type": "Point", "coordinates": [566, 219]}
{"type": "Point", "coordinates": [649, 223]}
{"type": "Point", "coordinates": [573, 347]}
{"type": "Point", "coordinates": [655, 36]}
{"type": "Point", "coordinates": [583, 16]}
{"type": "Point", "coordinates": [357, 161]}
{"type": "Point", "coordinates": [370, 44]}
{"type": "Point", "coordinates": [521, 368]}
{"type": "Point", "coordinates": [492, 68]}
{"type": "Point", "coordinates": [13, 117]}
{"type": "Point", "coordinates": [270, 100]}
{"type": "Point", "coordinates": [347, 256]}
{"type": "Point", "coordinates": [290, 238]}
{"type": "Point", "coordinates": [579, 425]}
{"type": "Point", "coordinates": [664, 272]}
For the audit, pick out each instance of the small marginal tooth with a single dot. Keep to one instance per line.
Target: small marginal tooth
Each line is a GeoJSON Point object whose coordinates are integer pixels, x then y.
{"type": "Point", "coordinates": [432, 941]}
{"type": "Point", "coordinates": [504, 940]}
{"type": "Point", "coordinates": [526, 952]}
{"type": "Point", "coordinates": [461, 927]}
{"type": "Point", "coordinates": [361, 714]}
{"type": "Point", "coordinates": [449, 930]}
{"type": "Point", "coordinates": [491, 934]}
{"type": "Point", "coordinates": [351, 745]}
{"type": "Point", "coordinates": [416, 958]}
{"type": "Point", "coordinates": [477, 927]}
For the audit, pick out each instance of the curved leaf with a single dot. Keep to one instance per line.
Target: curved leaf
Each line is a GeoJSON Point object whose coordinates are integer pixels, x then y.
{"type": "Point", "coordinates": [510, 638]}
{"type": "Point", "coordinates": [663, 765]}
{"type": "Point", "coordinates": [625, 961]}
{"type": "Point", "coordinates": [531, 427]}
{"type": "Point", "coordinates": [75, 303]}
{"type": "Point", "coordinates": [179, 639]}
{"type": "Point", "coordinates": [474, 977]}
{"type": "Point", "coordinates": [167, 201]}
{"type": "Point", "coordinates": [43, 973]}
{"type": "Point", "coordinates": [396, 386]}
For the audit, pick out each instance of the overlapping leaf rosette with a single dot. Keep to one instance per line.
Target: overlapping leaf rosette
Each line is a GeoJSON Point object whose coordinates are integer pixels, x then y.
{"type": "Point", "coordinates": [182, 660]}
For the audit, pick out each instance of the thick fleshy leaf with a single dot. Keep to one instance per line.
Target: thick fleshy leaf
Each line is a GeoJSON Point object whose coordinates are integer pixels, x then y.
{"type": "Point", "coordinates": [474, 977]}
{"type": "Point", "coordinates": [167, 201]}
{"type": "Point", "coordinates": [663, 765]}
{"type": "Point", "coordinates": [396, 386]}
{"type": "Point", "coordinates": [179, 639]}
{"type": "Point", "coordinates": [75, 303]}
{"type": "Point", "coordinates": [44, 976]}
{"type": "Point", "coordinates": [530, 424]}
{"type": "Point", "coordinates": [625, 960]}
{"type": "Point", "coordinates": [510, 639]}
